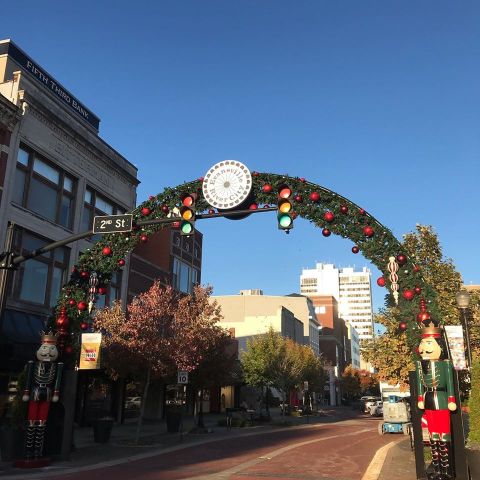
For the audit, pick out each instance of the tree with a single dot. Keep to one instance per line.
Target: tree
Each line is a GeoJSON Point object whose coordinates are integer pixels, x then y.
{"type": "Point", "coordinates": [369, 384]}
{"type": "Point", "coordinates": [261, 359]}
{"type": "Point", "coordinates": [392, 353]}
{"type": "Point", "coordinates": [350, 383]}
{"type": "Point", "coordinates": [164, 331]}
{"type": "Point", "coordinates": [219, 367]}
{"type": "Point", "coordinates": [274, 361]}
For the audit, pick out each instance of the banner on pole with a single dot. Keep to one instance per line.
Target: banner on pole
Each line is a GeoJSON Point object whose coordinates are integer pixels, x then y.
{"type": "Point", "coordinates": [457, 346]}
{"type": "Point", "coordinates": [90, 351]}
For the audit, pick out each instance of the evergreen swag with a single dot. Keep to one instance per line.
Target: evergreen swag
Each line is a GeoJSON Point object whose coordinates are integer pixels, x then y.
{"type": "Point", "coordinates": [349, 221]}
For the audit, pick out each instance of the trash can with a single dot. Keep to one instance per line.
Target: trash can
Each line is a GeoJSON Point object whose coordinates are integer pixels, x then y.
{"type": "Point", "coordinates": [174, 418]}
{"type": "Point", "coordinates": [102, 429]}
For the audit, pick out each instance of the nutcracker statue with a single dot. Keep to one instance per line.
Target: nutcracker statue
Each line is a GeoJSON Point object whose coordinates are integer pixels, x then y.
{"type": "Point", "coordinates": [42, 387]}
{"type": "Point", "coordinates": [436, 396]}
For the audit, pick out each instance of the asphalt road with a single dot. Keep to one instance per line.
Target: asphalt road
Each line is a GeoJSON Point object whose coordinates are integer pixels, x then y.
{"type": "Point", "coordinates": [340, 451]}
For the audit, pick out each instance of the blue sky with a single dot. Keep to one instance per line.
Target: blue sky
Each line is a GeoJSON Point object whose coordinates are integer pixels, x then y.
{"type": "Point", "coordinates": [378, 101]}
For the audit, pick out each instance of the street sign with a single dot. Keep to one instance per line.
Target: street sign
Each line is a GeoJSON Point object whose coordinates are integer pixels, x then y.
{"type": "Point", "coordinates": [113, 223]}
{"type": "Point", "coordinates": [182, 377]}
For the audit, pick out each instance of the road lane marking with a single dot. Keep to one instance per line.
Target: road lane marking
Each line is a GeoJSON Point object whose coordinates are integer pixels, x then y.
{"type": "Point", "coordinates": [375, 467]}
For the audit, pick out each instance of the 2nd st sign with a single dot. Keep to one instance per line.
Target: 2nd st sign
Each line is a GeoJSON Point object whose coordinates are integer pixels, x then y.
{"type": "Point", "coordinates": [113, 223]}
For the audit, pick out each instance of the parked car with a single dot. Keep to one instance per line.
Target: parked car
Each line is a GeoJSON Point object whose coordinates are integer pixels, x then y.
{"type": "Point", "coordinates": [367, 402]}
{"type": "Point", "coordinates": [133, 402]}
{"type": "Point", "coordinates": [376, 410]}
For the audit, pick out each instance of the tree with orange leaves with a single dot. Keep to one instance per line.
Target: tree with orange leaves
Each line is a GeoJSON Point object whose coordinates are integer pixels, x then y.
{"type": "Point", "coordinates": [163, 331]}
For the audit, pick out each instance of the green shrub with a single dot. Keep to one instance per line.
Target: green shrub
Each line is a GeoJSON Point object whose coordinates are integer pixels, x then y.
{"type": "Point", "coordinates": [474, 405]}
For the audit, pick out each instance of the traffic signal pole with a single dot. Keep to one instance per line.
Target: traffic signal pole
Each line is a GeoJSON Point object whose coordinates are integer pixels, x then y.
{"type": "Point", "coordinates": [9, 261]}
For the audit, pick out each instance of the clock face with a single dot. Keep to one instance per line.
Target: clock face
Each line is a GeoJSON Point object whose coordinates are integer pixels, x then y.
{"type": "Point", "coordinates": [227, 184]}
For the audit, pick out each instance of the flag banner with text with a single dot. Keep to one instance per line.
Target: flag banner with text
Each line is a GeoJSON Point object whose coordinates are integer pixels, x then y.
{"type": "Point", "coordinates": [90, 351]}
{"type": "Point", "coordinates": [457, 346]}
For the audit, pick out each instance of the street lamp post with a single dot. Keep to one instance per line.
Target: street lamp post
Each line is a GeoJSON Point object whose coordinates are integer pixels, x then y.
{"type": "Point", "coordinates": [463, 300]}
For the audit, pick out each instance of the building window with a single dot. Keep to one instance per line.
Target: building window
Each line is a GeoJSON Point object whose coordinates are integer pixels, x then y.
{"type": "Point", "coordinates": [95, 204]}
{"type": "Point", "coordinates": [113, 291]}
{"type": "Point", "coordinates": [44, 188]}
{"type": "Point", "coordinates": [321, 309]}
{"type": "Point", "coordinates": [184, 276]}
{"type": "Point", "coordinates": [40, 279]}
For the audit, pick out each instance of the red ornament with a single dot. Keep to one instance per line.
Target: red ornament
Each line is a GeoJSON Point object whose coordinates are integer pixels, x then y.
{"type": "Point", "coordinates": [84, 274]}
{"type": "Point", "coordinates": [143, 238]}
{"type": "Point", "coordinates": [326, 232]}
{"type": "Point", "coordinates": [294, 215]}
{"type": "Point", "coordinates": [423, 317]}
{"type": "Point", "coordinates": [74, 269]}
{"type": "Point", "coordinates": [401, 259]}
{"type": "Point", "coordinates": [416, 268]}
{"type": "Point", "coordinates": [266, 206]}
{"type": "Point", "coordinates": [82, 306]}
{"type": "Point", "coordinates": [343, 208]}
{"type": "Point", "coordinates": [121, 262]}
{"type": "Point", "coordinates": [355, 249]}
{"type": "Point", "coordinates": [329, 216]}
{"type": "Point", "coordinates": [381, 281]}
{"type": "Point", "coordinates": [84, 325]}
{"type": "Point", "coordinates": [255, 174]}
{"type": "Point", "coordinates": [253, 206]}
{"type": "Point", "coordinates": [417, 290]}
{"type": "Point", "coordinates": [302, 180]}
{"type": "Point", "coordinates": [201, 179]}
{"type": "Point", "coordinates": [403, 326]}
{"type": "Point", "coordinates": [72, 302]}
{"type": "Point", "coordinates": [408, 294]}
{"type": "Point", "coordinates": [176, 225]}
{"type": "Point", "coordinates": [151, 197]}
{"type": "Point", "coordinates": [298, 198]}
{"type": "Point", "coordinates": [146, 211]}
{"type": "Point", "coordinates": [102, 290]}
{"type": "Point", "coordinates": [314, 196]}
{"type": "Point", "coordinates": [107, 251]}
{"type": "Point", "coordinates": [62, 320]}
{"type": "Point", "coordinates": [267, 188]}
{"type": "Point", "coordinates": [211, 211]}
{"type": "Point", "coordinates": [368, 231]}
{"type": "Point", "coordinates": [165, 209]}
{"type": "Point", "coordinates": [362, 211]}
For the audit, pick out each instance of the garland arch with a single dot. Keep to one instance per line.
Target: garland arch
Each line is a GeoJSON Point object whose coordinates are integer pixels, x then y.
{"type": "Point", "coordinates": [327, 210]}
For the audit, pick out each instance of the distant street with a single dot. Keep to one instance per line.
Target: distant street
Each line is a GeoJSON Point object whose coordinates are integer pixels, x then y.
{"type": "Point", "coordinates": [340, 451]}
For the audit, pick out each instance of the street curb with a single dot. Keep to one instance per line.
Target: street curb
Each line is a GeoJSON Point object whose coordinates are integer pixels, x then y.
{"type": "Point", "coordinates": [375, 468]}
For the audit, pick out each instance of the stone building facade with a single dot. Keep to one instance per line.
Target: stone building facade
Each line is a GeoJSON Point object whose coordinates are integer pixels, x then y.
{"type": "Point", "coordinates": [56, 174]}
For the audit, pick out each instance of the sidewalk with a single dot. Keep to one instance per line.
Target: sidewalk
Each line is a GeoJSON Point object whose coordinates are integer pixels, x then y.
{"type": "Point", "coordinates": [154, 438]}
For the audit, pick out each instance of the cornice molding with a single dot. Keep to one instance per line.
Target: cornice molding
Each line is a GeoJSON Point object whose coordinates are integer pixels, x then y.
{"type": "Point", "coordinates": [10, 114]}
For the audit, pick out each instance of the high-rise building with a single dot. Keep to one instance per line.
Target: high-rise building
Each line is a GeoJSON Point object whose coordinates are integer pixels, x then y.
{"type": "Point", "coordinates": [352, 290]}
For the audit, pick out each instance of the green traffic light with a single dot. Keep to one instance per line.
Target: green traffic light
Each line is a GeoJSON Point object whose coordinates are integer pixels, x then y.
{"type": "Point", "coordinates": [285, 221]}
{"type": "Point", "coordinates": [186, 228]}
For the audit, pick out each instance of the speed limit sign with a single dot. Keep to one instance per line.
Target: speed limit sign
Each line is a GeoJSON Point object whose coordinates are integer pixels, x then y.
{"type": "Point", "coordinates": [182, 377]}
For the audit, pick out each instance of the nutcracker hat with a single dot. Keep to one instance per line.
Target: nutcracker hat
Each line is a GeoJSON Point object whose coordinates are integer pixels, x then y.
{"type": "Point", "coordinates": [50, 337]}
{"type": "Point", "coordinates": [432, 330]}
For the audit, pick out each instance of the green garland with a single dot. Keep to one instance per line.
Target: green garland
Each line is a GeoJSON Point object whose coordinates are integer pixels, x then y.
{"type": "Point", "coordinates": [349, 222]}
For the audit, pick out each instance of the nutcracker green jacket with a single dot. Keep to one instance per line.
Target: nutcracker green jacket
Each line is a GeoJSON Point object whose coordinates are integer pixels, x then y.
{"type": "Point", "coordinates": [435, 383]}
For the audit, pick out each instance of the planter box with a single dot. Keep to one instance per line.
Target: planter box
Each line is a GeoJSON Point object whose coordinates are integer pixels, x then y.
{"type": "Point", "coordinates": [11, 443]}
{"type": "Point", "coordinates": [102, 429]}
{"type": "Point", "coordinates": [473, 460]}
{"type": "Point", "coordinates": [173, 421]}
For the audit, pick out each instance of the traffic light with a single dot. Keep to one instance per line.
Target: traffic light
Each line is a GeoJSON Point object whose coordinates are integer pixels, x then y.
{"type": "Point", "coordinates": [187, 214]}
{"type": "Point", "coordinates": [285, 208]}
